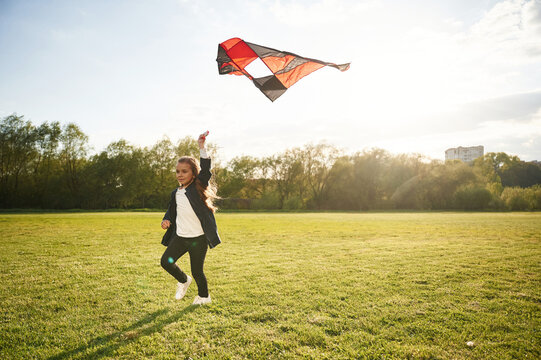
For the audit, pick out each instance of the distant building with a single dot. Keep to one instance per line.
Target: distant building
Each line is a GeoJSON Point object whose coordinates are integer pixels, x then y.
{"type": "Point", "coordinates": [465, 154]}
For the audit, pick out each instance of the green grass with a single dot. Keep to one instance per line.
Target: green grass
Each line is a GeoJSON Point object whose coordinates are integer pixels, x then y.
{"type": "Point", "coordinates": [284, 286]}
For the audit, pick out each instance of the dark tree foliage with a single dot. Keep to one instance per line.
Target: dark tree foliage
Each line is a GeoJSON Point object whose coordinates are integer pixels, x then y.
{"type": "Point", "coordinates": [50, 167]}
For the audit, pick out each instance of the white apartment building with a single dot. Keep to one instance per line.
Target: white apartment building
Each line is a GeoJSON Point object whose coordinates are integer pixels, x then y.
{"type": "Point", "coordinates": [465, 154]}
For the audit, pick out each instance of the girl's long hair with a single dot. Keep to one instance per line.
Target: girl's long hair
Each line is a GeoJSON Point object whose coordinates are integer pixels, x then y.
{"type": "Point", "coordinates": [207, 194]}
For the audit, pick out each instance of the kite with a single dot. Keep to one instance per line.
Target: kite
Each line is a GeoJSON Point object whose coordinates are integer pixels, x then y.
{"type": "Point", "coordinates": [235, 54]}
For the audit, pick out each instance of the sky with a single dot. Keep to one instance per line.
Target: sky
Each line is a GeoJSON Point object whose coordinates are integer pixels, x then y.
{"type": "Point", "coordinates": [425, 75]}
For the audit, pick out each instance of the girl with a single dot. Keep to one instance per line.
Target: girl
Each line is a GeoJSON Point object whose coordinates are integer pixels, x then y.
{"type": "Point", "coordinates": [190, 223]}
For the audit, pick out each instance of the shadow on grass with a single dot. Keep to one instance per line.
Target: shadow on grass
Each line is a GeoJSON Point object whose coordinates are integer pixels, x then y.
{"type": "Point", "coordinates": [106, 344]}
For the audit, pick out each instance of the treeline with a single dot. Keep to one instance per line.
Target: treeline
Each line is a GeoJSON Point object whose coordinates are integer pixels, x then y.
{"type": "Point", "coordinates": [49, 167]}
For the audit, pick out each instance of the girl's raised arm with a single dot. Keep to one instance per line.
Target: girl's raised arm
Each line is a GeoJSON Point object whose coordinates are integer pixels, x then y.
{"type": "Point", "coordinates": [204, 174]}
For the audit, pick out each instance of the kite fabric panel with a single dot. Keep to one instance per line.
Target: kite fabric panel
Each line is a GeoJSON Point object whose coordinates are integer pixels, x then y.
{"type": "Point", "coordinates": [235, 54]}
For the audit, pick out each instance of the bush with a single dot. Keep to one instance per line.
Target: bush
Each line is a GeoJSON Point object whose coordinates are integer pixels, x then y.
{"type": "Point", "coordinates": [516, 198]}
{"type": "Point", "coordinates": [234, 203]}
{"type": "Point", "coordinates": [269, 201]}
{"type": "Point", "coordinates": [536, 196]}
{"type": "Point", "coordinates": [293, 203]}
{"type": "Point", "coordinates": [472, 198]}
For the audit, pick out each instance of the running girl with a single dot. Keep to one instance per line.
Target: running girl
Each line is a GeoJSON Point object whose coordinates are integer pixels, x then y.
{"type": "Point", "coordinates": [190, 223]}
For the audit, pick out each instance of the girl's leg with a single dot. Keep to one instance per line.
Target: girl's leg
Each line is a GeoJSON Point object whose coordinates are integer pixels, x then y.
{"type": "Point", "coordinates": [176, 248]}
{"type": "Point", "coordinates": [198, 250]}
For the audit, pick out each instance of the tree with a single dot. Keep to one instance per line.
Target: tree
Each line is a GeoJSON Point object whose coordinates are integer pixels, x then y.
{"type": "Point", "coordinates": [368, 170]}
{"type": "Point", "coordinates": [435, 185]}
{"type": "Point", "coordinates": [342, 194]}
{"type": "Point", "coordinates": [162, 159]}
{"type": "Point", "coordinates": [520, 173]}
{"type": "Point", "coordinates": [488, 166]}
{"type": "Point", "coordinates": [17, 149]}
{"type": "Point", "coordinates": [73, 158]}
{"type": "Point", "coordinates": [45, 163]}
{"type": "Point", "coordinates": [443, 180]}
{"type": "Point", "coordinates": [401, 168]}
{"type": "Point", "coordinates": [235, 179]}
{"type": "Point", "coordinates": [318, 161]}
{"type": "Point", "coordinates": [286, 174]}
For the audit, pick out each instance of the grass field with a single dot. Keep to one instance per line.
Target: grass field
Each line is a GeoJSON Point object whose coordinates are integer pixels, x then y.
{"type": "Point", "coordinates": [284, 286]}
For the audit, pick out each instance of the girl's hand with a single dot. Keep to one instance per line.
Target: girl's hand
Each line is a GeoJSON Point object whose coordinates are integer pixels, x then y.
{"type": "Point", "coordinates": [202, 139]}
{"type": "Point", "coordinates": [166, 224]}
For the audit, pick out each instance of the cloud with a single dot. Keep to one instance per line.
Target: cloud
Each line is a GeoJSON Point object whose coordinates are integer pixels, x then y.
{"type": "Point", "coordinates": [509, 32]}
{"type": "Point", "coordinates": [516, 108]}
{"type": "Point", "coordinates": [513, 137]}
{"type": "Point", "coordinates": [442, 65]}
{"type": "Point", "coordinates": [318, 13]}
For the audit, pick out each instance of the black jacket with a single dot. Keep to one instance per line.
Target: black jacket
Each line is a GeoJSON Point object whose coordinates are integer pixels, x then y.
{"type": "Point", "coordinates": [204, 214]}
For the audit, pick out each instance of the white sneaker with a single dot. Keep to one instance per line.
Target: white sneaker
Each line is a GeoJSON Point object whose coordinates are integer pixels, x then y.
{"type": "Point", "coordinates": [182, 288]}
{"type": "Point", "coordinates": [201, 300]}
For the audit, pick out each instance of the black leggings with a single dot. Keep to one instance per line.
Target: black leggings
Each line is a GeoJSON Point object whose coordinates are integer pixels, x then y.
{"type": "Point", "coordinates": [197, 248]}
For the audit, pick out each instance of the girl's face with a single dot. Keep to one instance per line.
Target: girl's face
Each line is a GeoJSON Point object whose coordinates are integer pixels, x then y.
{"type": "Point", "coordinates": [184, 174]}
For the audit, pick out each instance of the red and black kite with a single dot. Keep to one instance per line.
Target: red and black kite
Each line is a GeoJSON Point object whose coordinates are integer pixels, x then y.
{"type": "Point", "coordinates": [234, 55]}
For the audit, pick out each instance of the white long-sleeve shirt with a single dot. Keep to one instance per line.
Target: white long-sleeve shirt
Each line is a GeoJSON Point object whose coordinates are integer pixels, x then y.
{"type": "Point", "coordinates": [188, 224]}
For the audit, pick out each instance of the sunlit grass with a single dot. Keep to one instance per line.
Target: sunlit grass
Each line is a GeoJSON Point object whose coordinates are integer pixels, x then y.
{"type": "Point", "coordinates": [317, 285]}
